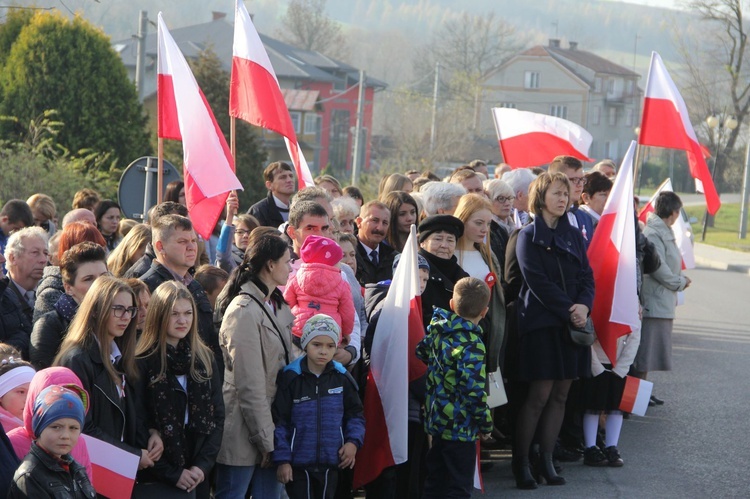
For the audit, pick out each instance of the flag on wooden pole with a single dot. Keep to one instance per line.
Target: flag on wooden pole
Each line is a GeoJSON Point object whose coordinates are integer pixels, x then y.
{"type": "Point", "coordinates": [184, 114]}
{"type": "Point", "coordinates": [254, 92]}
{"type": "Point", "coordinates": [114, 469]}
{"type": "Point", "coordinates": [636, 395]}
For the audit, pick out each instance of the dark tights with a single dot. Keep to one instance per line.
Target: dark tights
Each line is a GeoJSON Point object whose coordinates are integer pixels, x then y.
{"type": "Point", "coordinates": [541, 414]}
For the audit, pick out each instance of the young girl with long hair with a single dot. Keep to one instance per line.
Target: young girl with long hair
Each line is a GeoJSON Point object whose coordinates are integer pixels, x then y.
{"type": "Point", "coordinates": [404, 213]}
{"type": "Point", "coordinates": [100, 349]}
{"type": "Point", "coordinates": [182, 391]}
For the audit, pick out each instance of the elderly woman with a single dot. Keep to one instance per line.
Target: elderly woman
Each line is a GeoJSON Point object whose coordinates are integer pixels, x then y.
{"type": "Point", "coordinates": [557, 290]}
{"type": "Point", "coordinates": [659, 291]}
{"type": "Point", "coordinates": [501, 195]}
{"type": "Point", "coordinates": [438, 236]}
{"type": "Point", "coordinates": [345, 211]}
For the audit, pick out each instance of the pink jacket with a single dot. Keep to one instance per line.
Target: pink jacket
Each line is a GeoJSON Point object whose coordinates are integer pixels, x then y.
{"type": "Point", "coordinates": [22, 436]}
{"type": "Point", "coordinates": [319, 289]}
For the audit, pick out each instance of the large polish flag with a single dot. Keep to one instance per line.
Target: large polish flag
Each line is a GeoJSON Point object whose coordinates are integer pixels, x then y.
{"type": "Point", "coordinates": [113, 469]}
{"type": "Point", "coordinates": [612, 258]}
{"type": "Point", "coordinates": [680, 229]}
{"type": "Point", "coordinates": [393, 363]}
{"type": "Point", "coordinates": [532, 139]}
{"type": "Point", "coordinates": [254, 92]}
{"type": "Point", "coordinates": [666, 123]}
{"type": "Point", "coordinates": [184, 114]}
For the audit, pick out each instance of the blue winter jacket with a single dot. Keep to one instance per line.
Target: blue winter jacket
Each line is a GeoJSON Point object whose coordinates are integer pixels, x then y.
{"type": "Point", "coordinates": [315, 416]}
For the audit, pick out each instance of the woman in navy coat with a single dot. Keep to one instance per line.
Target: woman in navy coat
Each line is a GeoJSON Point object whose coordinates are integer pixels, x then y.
{"type": "Point", "coordinates": [548, 249]}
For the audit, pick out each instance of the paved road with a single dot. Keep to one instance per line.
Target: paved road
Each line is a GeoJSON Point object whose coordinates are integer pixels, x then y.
{"type": "Point", "coordinates": [698, 443]}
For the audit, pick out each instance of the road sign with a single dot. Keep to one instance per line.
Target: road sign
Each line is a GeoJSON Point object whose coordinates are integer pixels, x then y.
{"type": "Point", "coordinates": [137, 188]}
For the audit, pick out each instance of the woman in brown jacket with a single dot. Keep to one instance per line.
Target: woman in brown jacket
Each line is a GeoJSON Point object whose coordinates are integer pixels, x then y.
{"type": "Point", "coordinates": [256, 340]}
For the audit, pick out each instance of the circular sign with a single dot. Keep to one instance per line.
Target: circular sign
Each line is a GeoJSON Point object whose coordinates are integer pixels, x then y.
{"type": "Point", "coordinates": [137, 190]}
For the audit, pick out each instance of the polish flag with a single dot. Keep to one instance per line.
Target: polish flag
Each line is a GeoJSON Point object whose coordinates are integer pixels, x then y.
{"type": "Point", "coordinates": [681, 229]}
{"type": "Point", "coordinates": [636, 395]}
{"type": "Point", "coordinates": [184, 114]}
{"type": "Point", "coordinates": [612, 258]}
{"type": "Point", "coordinates": [254, 92]}
{"type": "Point", "coordinates": [666, 123]}
{"type": "Point", "coordinates": [393, 364]}
{"type": "Point", "coordinates": [531, 139]}
{"type": "Point", "coordinates": [113, 469]}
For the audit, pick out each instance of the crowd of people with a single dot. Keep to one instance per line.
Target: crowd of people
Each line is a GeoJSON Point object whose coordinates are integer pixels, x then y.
{"type": "Point", "coordinates": [235, 366]}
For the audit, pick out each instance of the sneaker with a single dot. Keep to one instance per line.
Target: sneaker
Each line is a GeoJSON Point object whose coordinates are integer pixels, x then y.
{"type": "Point", "coordinates": [613, 456]}
{"type": "Point", "coordinates": [593, 456]}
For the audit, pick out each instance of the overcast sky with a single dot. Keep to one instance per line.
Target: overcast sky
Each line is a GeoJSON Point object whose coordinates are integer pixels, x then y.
{"type": "Point", "coordinates": [671, 4]}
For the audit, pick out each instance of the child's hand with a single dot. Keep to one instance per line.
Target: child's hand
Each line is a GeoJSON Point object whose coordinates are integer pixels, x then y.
{"type": "Point", "coordinates": [346, 455]}
{"type": "Point", "coordinates": [145, 461]}
{"type": "Point", "coordinates": [284, 473]}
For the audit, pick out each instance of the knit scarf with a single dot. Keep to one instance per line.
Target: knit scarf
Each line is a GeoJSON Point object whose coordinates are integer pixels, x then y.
{"type": "Point", "coordinates": [170, 420]}
{"type": "Point", "coordinates": [66, 306]}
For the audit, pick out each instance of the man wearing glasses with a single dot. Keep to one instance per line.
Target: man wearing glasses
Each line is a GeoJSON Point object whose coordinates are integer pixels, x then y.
{"type": "Point", "coordinates": [573, 169]}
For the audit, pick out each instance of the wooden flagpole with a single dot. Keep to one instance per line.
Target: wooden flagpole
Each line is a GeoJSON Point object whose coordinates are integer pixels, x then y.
{"type": "Point", "coordinates": [232, 135]}
{"type": "Point", "coordinates": [160, 172]}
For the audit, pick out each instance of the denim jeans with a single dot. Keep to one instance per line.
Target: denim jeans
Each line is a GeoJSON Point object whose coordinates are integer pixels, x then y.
{"type": "Point", "coordinates": [232, 482]}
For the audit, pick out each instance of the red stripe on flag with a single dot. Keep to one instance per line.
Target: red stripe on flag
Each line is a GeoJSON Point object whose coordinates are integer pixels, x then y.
{"type": "Point", "coordinates": [536, 148]}
{"type": "Point", "coordinates": [630, 393]}
{"type": "Point", "coordinates": [375, 454]}
{"type": "Point", "coordinates": [417, 368]}
{"type": "Point", "coordinates": [168, 127]}
{"type": "Point", "coordinates": [111, 484]}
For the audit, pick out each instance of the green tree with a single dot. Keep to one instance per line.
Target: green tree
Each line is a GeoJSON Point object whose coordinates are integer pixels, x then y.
{"type": "Point", "coordinates": [68, 65]}
{"type": "Point", "coordinates": [251, 156]}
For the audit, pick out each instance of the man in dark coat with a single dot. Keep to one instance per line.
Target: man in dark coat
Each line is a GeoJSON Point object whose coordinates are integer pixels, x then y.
{"type": "Point", "coordinates": [143, 264]}
{"type": "Point", "coordinates": [374, 255]}
{"type": "Point", "coordinates": [175, 245]}
{"type": "Point", "coordinates": [26, 254]}
{"type": "Point", "coordinates": [15, 327]}
{"type": "Point", "coordinates": [274, 209]}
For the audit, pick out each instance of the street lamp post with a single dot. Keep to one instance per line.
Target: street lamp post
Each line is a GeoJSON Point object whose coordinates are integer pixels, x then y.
{"type": "Point", "coordinates": [713, 122]}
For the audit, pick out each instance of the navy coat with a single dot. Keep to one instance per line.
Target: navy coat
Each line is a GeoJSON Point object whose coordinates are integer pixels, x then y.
{"type": "Point", "coordinates": [542, 303]}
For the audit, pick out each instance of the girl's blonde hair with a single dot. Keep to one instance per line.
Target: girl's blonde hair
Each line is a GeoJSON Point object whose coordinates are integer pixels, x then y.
{"type": "Point", "coordinates": [467, 206]}
{"type": "Point", "coordinates": [121, 258]}
{"type": "Point", "coordinates": [90, 325]}
{"type": "Point", "coordinates": [154, 336]}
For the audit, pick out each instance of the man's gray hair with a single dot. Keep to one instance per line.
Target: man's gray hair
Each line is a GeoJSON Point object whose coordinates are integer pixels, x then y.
{"type": "Point", "coordinates": [439, 196]}
{"type": "Point", "coordinates": [312, 193]}
{"type": "Point", "coordinates": [519, 180]}
{"type": "Point", "coordinates": [15, 244]}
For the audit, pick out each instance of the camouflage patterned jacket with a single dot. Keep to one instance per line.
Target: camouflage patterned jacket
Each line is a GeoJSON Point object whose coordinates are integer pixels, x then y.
{"type": "Point", "coordinates": [456, 403]}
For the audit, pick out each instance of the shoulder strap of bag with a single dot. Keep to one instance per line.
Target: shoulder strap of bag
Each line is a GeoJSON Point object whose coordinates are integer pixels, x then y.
{"type": "Point", "coordinates": [273, 322]}
{"type": "Point", "coordinates": [562, 276]}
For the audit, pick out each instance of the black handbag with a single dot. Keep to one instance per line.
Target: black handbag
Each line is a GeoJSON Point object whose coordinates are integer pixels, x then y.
{"type": "Point", "coordinates": [584, 336]}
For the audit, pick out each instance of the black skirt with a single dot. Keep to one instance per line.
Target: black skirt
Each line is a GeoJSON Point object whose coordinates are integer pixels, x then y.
{"type": "Point", "coordinates": [544, 354]}
{"type": "Point", "coordinates": [603, 392]}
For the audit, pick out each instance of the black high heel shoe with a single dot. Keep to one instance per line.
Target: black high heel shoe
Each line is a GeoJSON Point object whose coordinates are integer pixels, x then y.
{"type": "Point", "coordinates": [547, 470]}
{"type": "Point", "coordinates": [522, 474]}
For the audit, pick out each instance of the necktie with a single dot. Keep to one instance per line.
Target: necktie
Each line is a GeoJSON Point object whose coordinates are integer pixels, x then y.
{"type": "Point", "coordinates": [30, 298]}
{"type": "Point", "coordinates": [374, 258]}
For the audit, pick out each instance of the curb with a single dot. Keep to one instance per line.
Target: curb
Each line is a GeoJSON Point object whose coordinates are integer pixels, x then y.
{"type": "Point", "coordinates": [719, 265]}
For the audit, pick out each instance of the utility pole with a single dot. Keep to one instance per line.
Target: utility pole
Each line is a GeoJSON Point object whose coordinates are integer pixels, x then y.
{"type": "Point", "coordinates": [745, 193]}
{"type": "Point", "coordinates": [434, 107]}
{"type": "Point", "coordinates": [140, 59]}
{"type": "Point", "coordinates": [356, 156]}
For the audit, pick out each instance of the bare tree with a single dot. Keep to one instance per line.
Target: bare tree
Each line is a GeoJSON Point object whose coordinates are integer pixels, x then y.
{"type": "Point", "coordinates": [718, 71]}
{"type": "Point", "coordinates": [306, 25]}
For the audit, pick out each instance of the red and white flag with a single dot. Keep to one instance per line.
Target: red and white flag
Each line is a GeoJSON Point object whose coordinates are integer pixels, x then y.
{"type": "Point", "coordinates": [636, 395]}
{"type": "Point", "coordinates": [113, 469]}
{"type": "Point", "coordinates": [393, 363]}
{"type": "Point", "coordinates": [680, 228]}
{"type": "Point", "coordinates": [531, 139]}
{"type": "Point", "coordinates": [184, 114]}
{"type": "Point", "coordinates": [612, 258]}
{"type": "Point", "coordinates": [254, 92]}
{"type": "Point", "coordinates": [666, 123]}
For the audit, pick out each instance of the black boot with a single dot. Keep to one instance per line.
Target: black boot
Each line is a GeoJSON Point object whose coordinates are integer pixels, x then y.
{"type": "Point", "coordinates": [547, 470]}
{"type": "Point", "coordinates": [522, 474]}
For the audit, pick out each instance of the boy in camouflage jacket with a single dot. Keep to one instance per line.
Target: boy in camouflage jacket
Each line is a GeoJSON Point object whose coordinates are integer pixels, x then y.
{"type": "Point", "coordinates": [456, 411]}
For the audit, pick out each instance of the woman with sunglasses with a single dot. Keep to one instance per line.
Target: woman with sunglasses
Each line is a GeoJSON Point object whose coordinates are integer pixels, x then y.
{"type": "Point", "coordinates": [100, 349]}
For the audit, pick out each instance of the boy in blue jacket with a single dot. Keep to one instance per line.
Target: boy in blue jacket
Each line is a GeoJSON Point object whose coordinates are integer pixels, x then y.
{"type": "Point", "coordinates": [456, 412]}
{"type": "Point", "coordinates": [318, 415]}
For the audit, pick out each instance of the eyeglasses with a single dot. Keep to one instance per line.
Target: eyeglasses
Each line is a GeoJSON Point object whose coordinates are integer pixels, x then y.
{"type": "Point", "coordinates": [577, 181]}
{"type": "Point", "coordinates": [504, 199]}
{"type": "Point", "coordinates": [242, 232]}
{"type": "Point", "coordinates": [119, 311]}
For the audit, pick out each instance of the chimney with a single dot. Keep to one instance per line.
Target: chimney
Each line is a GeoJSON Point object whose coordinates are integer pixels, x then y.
{"type": "Point", "coordinates": [573, 45]}
{"type": "Point", "coordinates": [218, 15]}
{"type": "Point", "coordinates": [554, 43]}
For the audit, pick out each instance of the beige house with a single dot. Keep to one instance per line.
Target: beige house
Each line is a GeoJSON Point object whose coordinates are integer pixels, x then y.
{"type": "Point", "coordinates": [569, 83]}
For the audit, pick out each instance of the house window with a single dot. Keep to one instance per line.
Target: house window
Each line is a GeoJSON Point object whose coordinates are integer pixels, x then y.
{"type": "Point", "coordinates": [559, 111]}
{"type": "Point", "coordinates": [610, 149]}
{"type": "Point", "coordinates": [629, 88]}
{"type": "Point", "coordinates": [610, 86]}
{"type": "Point", "coordinates": [612, 118]}
{"type": "Point", "coordinates": [296, 121]}
{"type": "Point", "coordinates": [597, 85]}
{"type": "Point", "coordinates": [629, 117]}
{"type": "Point", "coordinates": [596, 112]}
{"type": "Point", "coordinates": [507, 105]}
{"type": "Point", "coordinates": [311, 123]}
{"type": "Point", "coordinates": [531, 79]}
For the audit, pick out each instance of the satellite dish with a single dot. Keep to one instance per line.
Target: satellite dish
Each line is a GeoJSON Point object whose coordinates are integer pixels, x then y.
{"type": "Point", "coordinates": [137, 190]}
